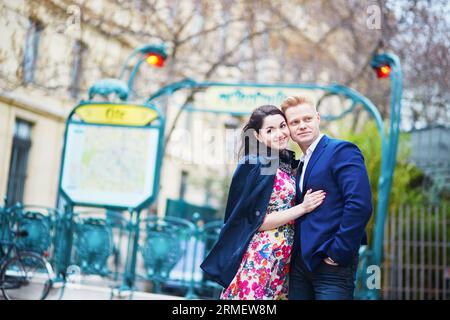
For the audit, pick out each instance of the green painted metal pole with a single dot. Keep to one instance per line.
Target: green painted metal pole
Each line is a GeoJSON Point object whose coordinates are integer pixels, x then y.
{"type": "Point", "coordinates": [132, 277]}
{"type": "Point", "coordinates": [63, 243]}
{"type": "Point", "coordinates": [130, 263]}
{"type": "Point", "coordinates": [389, 159]}
{"type": "Point", "coordinates": [127, 61]}
{"type": "Point", "coordinates": [133, 75]}
{"type": "Point", "coordinates": [191, 292]}
{"type": "Point", "coordinates": [142, 51]}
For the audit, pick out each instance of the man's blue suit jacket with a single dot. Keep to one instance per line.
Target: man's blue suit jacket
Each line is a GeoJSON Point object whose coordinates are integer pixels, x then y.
{"type": "Point", "coordinates": [336, 228]}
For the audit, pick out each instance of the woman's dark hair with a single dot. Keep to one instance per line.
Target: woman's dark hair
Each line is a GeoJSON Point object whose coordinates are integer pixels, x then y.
{"type": "Point", "coordinates": [249, 145]}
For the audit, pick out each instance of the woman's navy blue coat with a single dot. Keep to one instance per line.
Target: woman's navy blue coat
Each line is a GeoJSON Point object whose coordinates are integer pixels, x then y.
{"type": "Point", "coordinates": [248, 199]}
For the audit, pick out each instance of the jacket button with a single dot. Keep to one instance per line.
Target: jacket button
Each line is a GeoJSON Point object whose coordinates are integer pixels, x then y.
{"type": "Point", "coordinates": [257, 212]}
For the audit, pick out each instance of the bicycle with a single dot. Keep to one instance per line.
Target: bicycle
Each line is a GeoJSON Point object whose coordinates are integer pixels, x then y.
{"type": "Point", "coordinates": [23, 274]}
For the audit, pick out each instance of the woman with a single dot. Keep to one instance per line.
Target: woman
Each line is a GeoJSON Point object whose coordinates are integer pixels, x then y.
{"type": "Point", "coordinates": [251, 257]}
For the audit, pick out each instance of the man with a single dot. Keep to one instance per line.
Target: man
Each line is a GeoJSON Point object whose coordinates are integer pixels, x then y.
{"type": "Point", "coordinates": [327, 240]}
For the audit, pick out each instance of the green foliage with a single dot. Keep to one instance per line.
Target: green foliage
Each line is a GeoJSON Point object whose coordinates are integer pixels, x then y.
{"type": "Point", "coordinates": [405, 189]}
{"type": "Point", "coordinates": [405, 186]}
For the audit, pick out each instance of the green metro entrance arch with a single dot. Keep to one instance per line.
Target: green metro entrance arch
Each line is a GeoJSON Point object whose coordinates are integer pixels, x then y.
{"type": "Point", "coordinates": [231, 97]}
{"type": "Point", "coordinates": [126, 119]}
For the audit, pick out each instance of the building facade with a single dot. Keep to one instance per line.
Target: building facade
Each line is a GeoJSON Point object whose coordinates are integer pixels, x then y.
{"type": "Point", "coordinates": [52, 51]}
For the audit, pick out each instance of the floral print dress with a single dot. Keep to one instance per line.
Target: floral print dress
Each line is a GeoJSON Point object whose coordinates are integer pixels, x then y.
{"type": "Point", "coordinates": [264, 271]}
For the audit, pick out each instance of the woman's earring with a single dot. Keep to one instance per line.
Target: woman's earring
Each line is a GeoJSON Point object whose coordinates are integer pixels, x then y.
{"type": "Point", "coordinates": [256, 136]}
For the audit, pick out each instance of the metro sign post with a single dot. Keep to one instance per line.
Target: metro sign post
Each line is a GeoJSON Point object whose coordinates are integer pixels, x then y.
{"type": "Point", "coordinates": [111, 159]}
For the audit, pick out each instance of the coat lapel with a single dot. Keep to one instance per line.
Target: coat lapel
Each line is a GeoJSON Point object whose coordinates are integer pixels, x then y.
{"type": "Point", "coordinates": [314, 157]}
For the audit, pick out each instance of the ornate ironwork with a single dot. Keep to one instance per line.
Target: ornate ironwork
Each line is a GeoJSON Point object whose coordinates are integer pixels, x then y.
{"type": "Point", "coordinates": [38, 232]}
{"type": "Point", "coordinates": [93, 246]}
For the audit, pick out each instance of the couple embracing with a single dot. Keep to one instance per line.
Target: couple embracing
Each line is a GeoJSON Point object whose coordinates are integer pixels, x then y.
{"type": "Point", "coordinates": [292, 229]}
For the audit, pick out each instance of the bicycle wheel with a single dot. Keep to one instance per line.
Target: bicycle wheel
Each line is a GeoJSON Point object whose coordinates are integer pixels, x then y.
{"type": "Point", "coordinates": [26, 276]}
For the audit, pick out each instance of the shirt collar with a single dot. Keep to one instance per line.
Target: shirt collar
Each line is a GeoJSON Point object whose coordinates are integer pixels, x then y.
{"type": "Point", "coordinates": [312, 147]}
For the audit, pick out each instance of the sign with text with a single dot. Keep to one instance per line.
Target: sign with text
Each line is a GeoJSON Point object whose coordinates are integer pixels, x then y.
{"type": "Point", "coordinates": [119, 114]}
{"type": "Point", "coordinates": [112, 155]}
{"type": "Point", "coordinates": [244, 99]}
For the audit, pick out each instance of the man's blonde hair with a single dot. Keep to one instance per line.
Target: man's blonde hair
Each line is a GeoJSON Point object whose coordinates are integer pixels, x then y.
{"type": "Point", "coordinates": [294, 101]}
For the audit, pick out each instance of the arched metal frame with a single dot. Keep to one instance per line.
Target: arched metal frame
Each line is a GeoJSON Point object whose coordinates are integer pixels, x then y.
{"type": "Point", "coordinates": [389, 141]}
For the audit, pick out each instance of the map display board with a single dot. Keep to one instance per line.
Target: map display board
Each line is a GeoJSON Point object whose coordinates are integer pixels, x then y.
{"type": "Point", "coordinates": [109, 165]}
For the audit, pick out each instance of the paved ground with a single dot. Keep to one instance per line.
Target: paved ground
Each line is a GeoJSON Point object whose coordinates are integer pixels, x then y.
{"type": "Point", "coordinates": [73, 291]}
{"type": "Point", "coordinates": [86, 292]}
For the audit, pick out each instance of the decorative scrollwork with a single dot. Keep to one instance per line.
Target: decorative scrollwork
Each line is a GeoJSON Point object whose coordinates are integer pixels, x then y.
{"type": "Point", "coordinates": [93, 246]}
{"type": "Point", "coordinates": [161, 252]}
{"type": "Point", "coordinates": [165, 245]}
{"type": "Point", "coordinates": [38, 232]}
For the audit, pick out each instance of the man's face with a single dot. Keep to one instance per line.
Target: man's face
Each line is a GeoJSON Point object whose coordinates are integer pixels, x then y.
{"type": "Point", "coordinates": [303, 121]}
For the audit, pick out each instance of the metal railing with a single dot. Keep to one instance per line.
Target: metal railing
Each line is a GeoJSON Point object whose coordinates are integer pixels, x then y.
{"type": "Point", "coordinates": [417, 247]}
{"type": "Point", "coordinates": [170, 250]}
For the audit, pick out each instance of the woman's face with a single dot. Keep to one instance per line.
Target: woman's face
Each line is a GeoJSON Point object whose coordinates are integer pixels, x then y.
{"type": "Point", "coordinates": [274, 132]}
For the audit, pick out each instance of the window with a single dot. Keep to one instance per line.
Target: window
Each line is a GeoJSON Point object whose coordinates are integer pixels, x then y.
{"type": "Point", "coordinates": [183, 184]}
{"type": "Point", "coordinates": [31, 50]}
{"type": "Point", "coordinates": [78, 53]}
{"type": "Point", "coordinates": [19, 160]}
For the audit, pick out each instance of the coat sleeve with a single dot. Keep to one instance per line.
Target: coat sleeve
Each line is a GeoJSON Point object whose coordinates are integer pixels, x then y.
{"type": "Point", "coordinates": [242, 182]}
{"type": "Point", "coordinates": [353, 182]}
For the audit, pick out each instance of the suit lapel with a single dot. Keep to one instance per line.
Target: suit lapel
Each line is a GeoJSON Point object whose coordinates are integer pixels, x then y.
{"type": "Point", "coordinates": [297, 184]}
{"type": "Point", "coordinates": [314, 157]}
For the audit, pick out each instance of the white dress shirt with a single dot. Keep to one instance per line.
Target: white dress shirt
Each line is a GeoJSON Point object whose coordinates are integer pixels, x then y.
{"type": "Point", "coordinates": [305, 159]}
